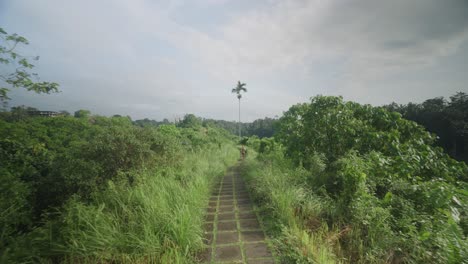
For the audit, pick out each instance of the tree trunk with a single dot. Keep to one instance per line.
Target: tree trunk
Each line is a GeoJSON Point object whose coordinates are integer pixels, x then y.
{"type": "Point", "coordinates": [240, 133]}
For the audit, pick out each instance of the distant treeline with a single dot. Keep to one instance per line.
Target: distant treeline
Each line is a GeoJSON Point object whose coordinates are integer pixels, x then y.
{"type": "Point", "coordinates": [261, 127]}
{"type": "Point", "coordinates": [448, 119]}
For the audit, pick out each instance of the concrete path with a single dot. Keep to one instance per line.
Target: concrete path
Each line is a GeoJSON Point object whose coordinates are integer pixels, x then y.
{"type": "Point", "coordinates": [232, 231]}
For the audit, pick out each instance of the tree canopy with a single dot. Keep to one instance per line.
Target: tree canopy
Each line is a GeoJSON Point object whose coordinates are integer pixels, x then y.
{"type": "Point", "coordinates": [239, 89]}
{"type": "Point", "coordinates": [448, 119]}
{"type": "Point", "coordinates": [18, 68]}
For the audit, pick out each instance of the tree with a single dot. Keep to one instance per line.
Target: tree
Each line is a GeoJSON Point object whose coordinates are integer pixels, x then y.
{"type": "Point", "coordinates": [261, 127]}
{"type": "Point", "coordinates": [447, 119]}
{"type": "Point", "coordinates": [21, 77]}
{"type": "Point", "coordinates": [190, 120]}
{"type": "Point", "coordinates": [457, 111]}
{"type": "Point", "coordinates": [82, 113]}
{"type": "Point", "coordinates": [21, 112]}
{"type": "Point", "coordinates": [239, 88]}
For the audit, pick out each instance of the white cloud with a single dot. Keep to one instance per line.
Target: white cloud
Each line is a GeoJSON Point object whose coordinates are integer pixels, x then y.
{"type": "Point", "coordinates": [295, 33]}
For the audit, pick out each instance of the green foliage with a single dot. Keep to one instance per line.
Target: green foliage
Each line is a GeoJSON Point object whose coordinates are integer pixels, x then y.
{"type": "Point", "coordinates": [190, 121]}
{"type": "Point", "coordinates": [82, 113]}
{"type": "Point", "coordinates": [261, 145]}
{"type": "Point", "coordinates": [73, 188]}
{"type": "Point", "coordinates": [149, 122]}
{"type": "Point", "coordinates": [447, 119]}
{"type": "Point", "coordinates": [150, 220]}
{"type": "Point", "coordinates": [387, 194]}
{"type": "Point", "coordinates": [290, 212]}
{"type": "Point", "coordinates": [264, 127]}
{"type": "Point", "coordinates": [14, 207]}
{"type": "Point", "coordinates": [20, 77]}
{"type": "Point", "coordinates": [240, 87]}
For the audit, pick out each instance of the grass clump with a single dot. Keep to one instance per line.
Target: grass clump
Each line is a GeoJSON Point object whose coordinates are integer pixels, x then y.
{"type": "Point", "coordinates": [290, 212]}
{"type": "Point", "coordinates": [160, 219]}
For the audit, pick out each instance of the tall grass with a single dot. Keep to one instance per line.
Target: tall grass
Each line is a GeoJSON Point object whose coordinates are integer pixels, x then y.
{"type": "Point", "coordinates": [159, 220]}
{"type": "Point", "coordinates": [311, 226]}
{"type": "Point", "coordinates": [289, 212]}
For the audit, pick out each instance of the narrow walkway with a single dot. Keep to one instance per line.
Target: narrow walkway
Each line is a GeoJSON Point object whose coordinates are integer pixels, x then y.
{"type": "Point", "coordinates": [232, 231]}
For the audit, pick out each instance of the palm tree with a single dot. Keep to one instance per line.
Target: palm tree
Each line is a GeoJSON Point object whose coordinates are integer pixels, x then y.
{"type": "Point", "coordinates": [239, 88]}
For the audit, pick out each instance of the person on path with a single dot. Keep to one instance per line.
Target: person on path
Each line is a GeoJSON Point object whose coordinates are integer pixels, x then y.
{"type": "Point", "coordinates": [243, 151]}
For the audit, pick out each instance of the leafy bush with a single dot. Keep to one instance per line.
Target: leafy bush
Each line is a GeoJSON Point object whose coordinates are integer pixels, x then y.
{"type": "Point", "coordinates": [391, 195]}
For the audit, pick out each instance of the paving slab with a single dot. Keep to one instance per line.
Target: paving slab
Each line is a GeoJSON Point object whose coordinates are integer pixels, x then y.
{"type": "Point", "coordinates": [226, 202]}
{"type": "Point", "coordinates": [226, 216]}
{"type": "Point", "coordinates": [247, 215]}
{"type": "Point", "coordinates": [228, 253]}
{"type": "Point", "coordinates": [244, 202]}
{"type": "Point", "coordinates": [226, 208]}
{"type": "Point", "coordinates": [257, 250]}
{"type": "Point", "coordinates": [249, 224]}
{"type": "Point", "coordinates": [244, 207]}
{"type": "Point", "coordinates": [227, 226]}
{"type": "Point", "coordinates": [252, 236]}
{"type": "Point", "coordinates": [261, 261]}
{"type": "Point", "coordinates": [227, 238]}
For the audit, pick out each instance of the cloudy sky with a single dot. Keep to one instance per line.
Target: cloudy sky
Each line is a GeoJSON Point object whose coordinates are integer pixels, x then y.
{"type": "Point", "coordinates": [156, 59]}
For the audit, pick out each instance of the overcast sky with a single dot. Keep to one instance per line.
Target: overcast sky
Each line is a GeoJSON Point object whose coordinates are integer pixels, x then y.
{"type": "Point", "coordinates": [160, 59]}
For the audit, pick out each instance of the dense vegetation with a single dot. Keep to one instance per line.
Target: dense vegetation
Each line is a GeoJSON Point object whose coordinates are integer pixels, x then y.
{"type": "Point", "coordinates": [344, 182]}
{"type": "Point", "coordinates": [447, 119]}
{"type": "Point", "coordinates": [91, 188]}
{"type": "Point", "coordinates": [261, 127]}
